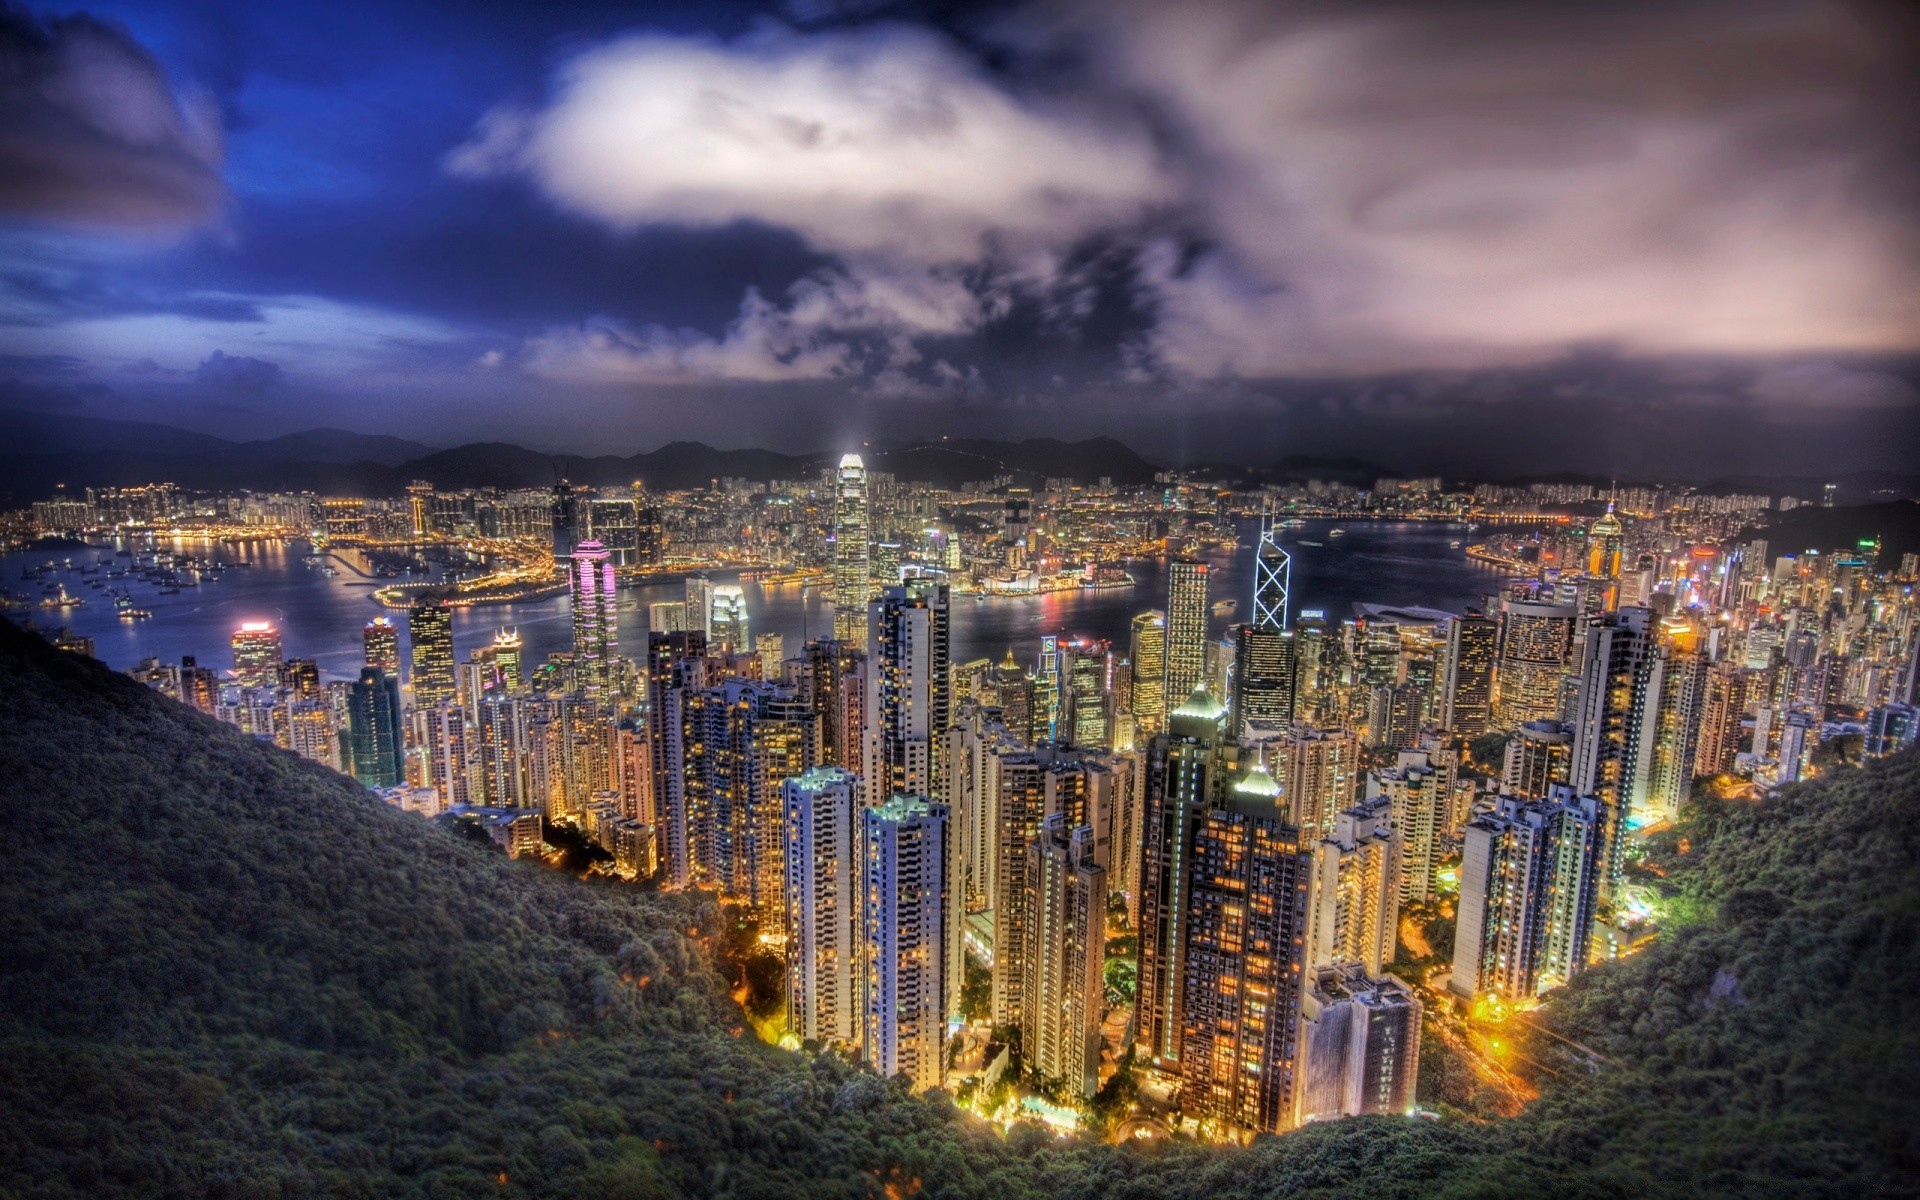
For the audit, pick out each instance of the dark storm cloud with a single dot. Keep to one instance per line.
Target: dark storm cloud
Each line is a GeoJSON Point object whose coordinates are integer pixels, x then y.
{"type": "Point", "coordinates": [93, 134]}
{"type": "Point", "coordinates": [237, 373]}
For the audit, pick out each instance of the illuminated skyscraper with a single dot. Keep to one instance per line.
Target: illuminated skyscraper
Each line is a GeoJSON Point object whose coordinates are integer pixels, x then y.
{"type": "Point", "coordinates": [1272, 577]}
{"type": "Point", "coordinates": [1613, 726]}
{"type": "Point", "coordinates": [823, 913]}
{"type": "Point", "coordinates": [257, 655]}
{"type": "Point", "coordinates": [1187, 617]}
{"type": "Point", "coordinates": [700, 605]}
{"type": "Point", "coordinates": [382, 641]}
{"type": "Point", "coordinates": [1266, 665]}
{"type": "Point", "coordinates": [1537, 757]}
{"type": "Point", "coordinates": [1529, 884]}
{"type": "Point", "coordinates": [852, 584]}
{"type": "Point", "coordinates": [507, 662]}
{"type": "Point", "coordinates": [376, 735]}
{"type": "Point", "coordinates": [1723, 703]}
{"type": "Point", "coordinates": [1149, 667]}
{"type": "Point", "coordinates": [1320, 775]}
{"type": "Point", "coordinates": [420, 508]}
{"type": "Point", "coordinates": [1465, 707]}
{"type": "Point", "coordinates": [1359, 1044]}
{"type": "Point", "coordinates": [908, 703]}
{"type": "Point", "coordinates": [727, 626]}
{"type": "Point", "coordinates": [1066, 900]}
{"type": "Point", "coordinates": [1087, 673]}
{"type": "Point", "coordinates": [1356, 891]}
{"type": "Point", "coordinates": [595, 624]}
{"type": "Point", "coordinates": [1536, 641]}
{"type": "Point", "coordinates": [908, 940]}
{"type": "Point", "coordinates": [565, 520]}
{"type": "Point", "coordinates": [430, 643]}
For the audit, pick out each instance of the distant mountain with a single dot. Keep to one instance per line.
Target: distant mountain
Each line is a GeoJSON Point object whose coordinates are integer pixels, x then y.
{"type": "Point", "coordinates": [1895, 523]}
{"type": "Point", "coordinates": [336, 446]}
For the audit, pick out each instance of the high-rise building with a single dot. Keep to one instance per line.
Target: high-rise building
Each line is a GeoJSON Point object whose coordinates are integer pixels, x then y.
{"type": "Point", "coordinates": [596, 642]}
{"type": "Point", "coordinates": [566, 524]}
{"type": "Point", "coordinates": [1612, 728]}
{"type": "Point", "coordinates": [1188, 614]}
{"type": "Point", "coordinates": [1320, 776]}
{"type": "Point", "coordinates": [908, 940]}
{"type": "Point", "coordinates": [376, 734]}
{"type": "Point", "coordinates": [1356, 890]}
{"type": "Point", "coordinates": [1420, 793]}
{"type": "Point", "coordinates": [1272, 578]}
{"type": "Point", "coordinates": [1537, 757]}
{"type": "Point", "coordinates": [1671, 715]}
{"type": "Point", "coordinates": [1149, 672]}
{"type": "Point", "coordinates": [448, 752]}
{"type": "Point", "coordinates": [667, 616]}
{"type": "Point", "coordinates": [381, 640]}
{"type": "Point", "coordinates": [257, 655]}
{"type": "Point", "coordinates": [908, 699]}
{"type": "Point", "coordinates": [1245, 929]}
{"type": "Point", "coordinates": [1530, 880]}
{"type": "Point", "coordinates": [1087, 671]}
{"type": "Point", "coordinates": [1536, 642]}
{"type": "Point", "coordinates": [420, 508]}
{"type": "Point", "coordinates": [1360, 1044]}
{"type": "Point", "coordinates": [833, 678]}
{"type": "Point", "coordinates": [430, 645]}
{"type": "Point", "coordinates": [1466, 678]}
{"type": "Point", "coordinates": [699, 605]}
{"type": "Point", "coordinates": [1723, 704]}
{"type": "Point", "coordinates": [852, 582]}
{"type": "Point", "coordinates": [771, 650]}
{"type": "Point", "coordinates": [1799, 734]}
{"type": "Point", "coordinates": [823, 906]}
{"type": "Point", "coordinates": [727, 627]}
{"type": "Point", "coordinates": [1066, 901]}
{"type": "Point", "coordinates": [1266, 667]}
{"type": "Point", "coordinates": [1184, 775]}
{"type": "Point", "coordinates": [1891, 728]}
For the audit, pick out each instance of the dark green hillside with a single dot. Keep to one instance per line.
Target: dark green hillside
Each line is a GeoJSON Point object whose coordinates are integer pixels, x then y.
{"type": "Point", "coordinates": [227, 973]}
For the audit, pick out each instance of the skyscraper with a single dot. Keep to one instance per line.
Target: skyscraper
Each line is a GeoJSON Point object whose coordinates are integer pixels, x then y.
{"type": "Point", "coordinates": [565, 520]}
{"type": "Point", "coordinates": [376, 736]}
{"type": "Point", "coordinates": [1529, 884]}
{"type": "Point", "coordinates": [1536, 640]}
{"type": "Point", "coordinates": [1537, 757]}
{"type": "Point", "coordinates": [382, 644]}
{"type": "Point", "coordinates": [430, 645]}
{"type": "Point", "coordinates": [908, 947]}
{"type": "Point", "coordinates": [1187, 617]}
{"type": "Point", "coordinates": [257, 655]}
{"type": "Point", "coordinates": [727, 625]}
{"type": "Point", "coordinates": [823, 910]}
{"type": "Point", "coordinates": [1272, 578]}
{"type": "Point", "coordinates": [1356, 891]}
{"type": "Point", "coordinates": [1149, 667]}
{"type": "Point", "coordinates": [1722, 705]}
{"type": "Point", "coordinates": [1466, 676]}
{"type": "Point", "coordinates": [852, 584]}
{"type": "Point", "coordinates": [1320, 774]}
{"type": "Point", "coordinates": [1265, 671]}
{"type": "Point", "coordinates": [908, 703]}
{"type": "Point", "coordinates": [1359, 1042]}
{"type": "Point", "coordinates": [1066, 899]}
{"type": "Point", "coordinates": [595, 623]}
{"type": "Point", "coordinates": [1612, 727]}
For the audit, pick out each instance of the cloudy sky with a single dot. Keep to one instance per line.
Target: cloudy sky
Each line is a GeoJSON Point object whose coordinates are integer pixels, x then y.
{"type": "Point", "coordinates": [1639, 238]}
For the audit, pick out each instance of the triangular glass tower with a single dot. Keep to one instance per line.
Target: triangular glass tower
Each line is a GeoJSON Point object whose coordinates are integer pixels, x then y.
{"type": "Point", "coordinates": [1272, 574]}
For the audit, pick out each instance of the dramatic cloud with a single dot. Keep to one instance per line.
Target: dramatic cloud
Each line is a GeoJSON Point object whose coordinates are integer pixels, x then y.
{"type": "Point", "coordinates": [93, 134]}
{"type": "Point", "coordinates": [883, 140]}
{"type": "Point", "coordinates": [237, 373]}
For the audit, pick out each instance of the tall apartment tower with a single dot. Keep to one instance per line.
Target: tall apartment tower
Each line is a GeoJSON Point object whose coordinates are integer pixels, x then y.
{"type": "Point", "coordinates": [823, 909]}
{"type": "Point", "coordinates": [1420, 794]}
{"type": "Point", "coordinates": [1537, 757]}
{"type": "Point", "coordinates": [1245, 929]}
{"type": "Point", "coordinates": [1066, 892]}
{"type": "Point", "coordinates": [908, 697]}
{"type": "Point", "coordinates": [1723, 703]}
{"type": "Point", "coordinates": [1360, 1039]}
{"type": "Point", "coordinates": [1320, 776]}
{"type": "Point", "coordinates": [430, 647]}
{"type": "Point", "coordinates": [852, 584]}
{"type": "Point", "coordinates": [1188, 614]}
{"type": "Point", "coordinates": [1355, 916]}
{"type": "Point", "coordinates": [908, 948]}
{"type": "Point", "coordinates": [1530, 880]}
{"type": "Point", "coordinates": [1465, 706]}
{"type": "Point", "coordinates": [595, 625]}
{"type": "Point", "coordinates": [1536, 645]}
{"type": "Point", "coordinates": [1612, 727]}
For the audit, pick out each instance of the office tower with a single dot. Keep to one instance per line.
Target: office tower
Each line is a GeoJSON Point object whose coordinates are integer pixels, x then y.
{"type": "Point", "coordinates": [565, 520]}
{"type": "Point", "coordinates": [376, 735]}
{"type": "Point", "coordinates": [596, 627]}
{"type": "Point", "coordinates": [833, 677]}
{"type": "Point", "coordinates": [727, 624]}
{"type": "Point", "coordinates": [1605, 542]}
{"type": "Point", "coordinates": [1891, 728]}
{"type": "Point", "coordinates": [1359, 1044]}
{"type": "Point", "coordinates": [1245, 930]}
{"type": "Point", "coordinates": [500, 756]}
{"type": "Point", "coordinates": [823, 906]}
{"type": "Point", "coordinates": [1355, 913]}
{"type": "Point", "coordinates": [1320, 776]}
{"type": "Point", "coordinates": [1047, 704]}
{"type": "Point", "coordinates": [1420, 793]}
{"type": "Point", "coordinates": [1799, 734]}
{"type": "Point", "coordinates": [1536, 642]}
{"type": "Point", "coordinates": [699, 606]}
{"type": "Point", "coordinates": [676, 665]}
{"type": "Point", "coordinates": [649, 533]}
{"type": "Point", "coordinates": [382, 642]}
{"type": "Point", "coordinates": [852, 582]}
{"type": "Point", "coordinates": [256, 655]}
{"type": "Point", "coordinates": [430, 644]}
{"type": "Point", "coordinates": [1272, 578]}
{"type": "Point", "coordinates": [1537, 757]}
{"type": "Point", "coordinates": [1019, 707]}
{"type": "Point", "coordinates": [1611, 729]}
{"type": "Point", "coordinates": [1088, 670]}
{"type": "Point", "coordinates": [1671, 714]}
{"type": "Point", "coordinates": [301, 677]}
{"type": "Point", "coordinates": [1265, 669]}
{"type": "Point", "coordinates": [908, 703]}
{"type": "Point", "coordinates": [1466, 676]}
{"type": "Point", "coordinates": [1066, 897]}
{"type": "Point", "coordinates": [771, 650]}
{"type": "Point", "coordinates": [667, 616]}
{"type": "Point", "coordinates": [1530, 878]}
{"type": "Point", "coordinates": [908, 939]}
{"type": "Point", "coordinates": [1187, 617]}
{"type": "Point", "coordinates": [508, 667]}
{"type": "Point", "coordinates": [1149, 672]}
{"type": "Point", "coordinates": [1723, 704]}
{"type": "Point", "coordinates": [1184, 775]}
{"type": "Point", "coordinates": [448, 752]}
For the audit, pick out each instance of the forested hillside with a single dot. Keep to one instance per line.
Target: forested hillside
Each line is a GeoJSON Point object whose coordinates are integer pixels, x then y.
{"type": "Point", "coordinates": [230, 973]}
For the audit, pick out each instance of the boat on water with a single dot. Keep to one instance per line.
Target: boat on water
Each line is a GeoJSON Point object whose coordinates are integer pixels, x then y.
{"type": "Point", "coordinates": [135, 614]}
{"type": "Point", "coordinates": [169, 591]}
{"type": "Point", "coordinates": [1333, 533]}
{"type": "Point", "coordinates": [1315, 545]}
{"type": "Point", "coordinates": [1453, 544]}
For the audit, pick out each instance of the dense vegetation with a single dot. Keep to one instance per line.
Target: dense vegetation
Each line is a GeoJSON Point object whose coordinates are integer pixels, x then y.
{"type": "Point", "coordinates": [229, 973]}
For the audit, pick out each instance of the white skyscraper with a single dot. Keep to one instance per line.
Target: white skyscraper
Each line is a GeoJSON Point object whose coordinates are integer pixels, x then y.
{"type": "Point", "coordinates": [727, 622]}
{"type": "Point", "coordinates": [700, 604]}
{"type": "Point", "coordinates": [851, 583]}
{"type": "Point", "coordinates": [823, 906]}
{"type": "Point", "coordinates": [907, 943]}
{"type": "Point", "coordinates": [595, 627]}
{"type": "Point", "coordinates": [1272, 576]}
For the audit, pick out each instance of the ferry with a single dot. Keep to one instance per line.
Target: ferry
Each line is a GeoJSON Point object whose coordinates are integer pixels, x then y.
{"type": "Point", "coordinates": [1333, 533]}
{"type": "Point", "coordinates": [134, 614]}
{"type": "Point", "coordinates": [1453, 544]}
